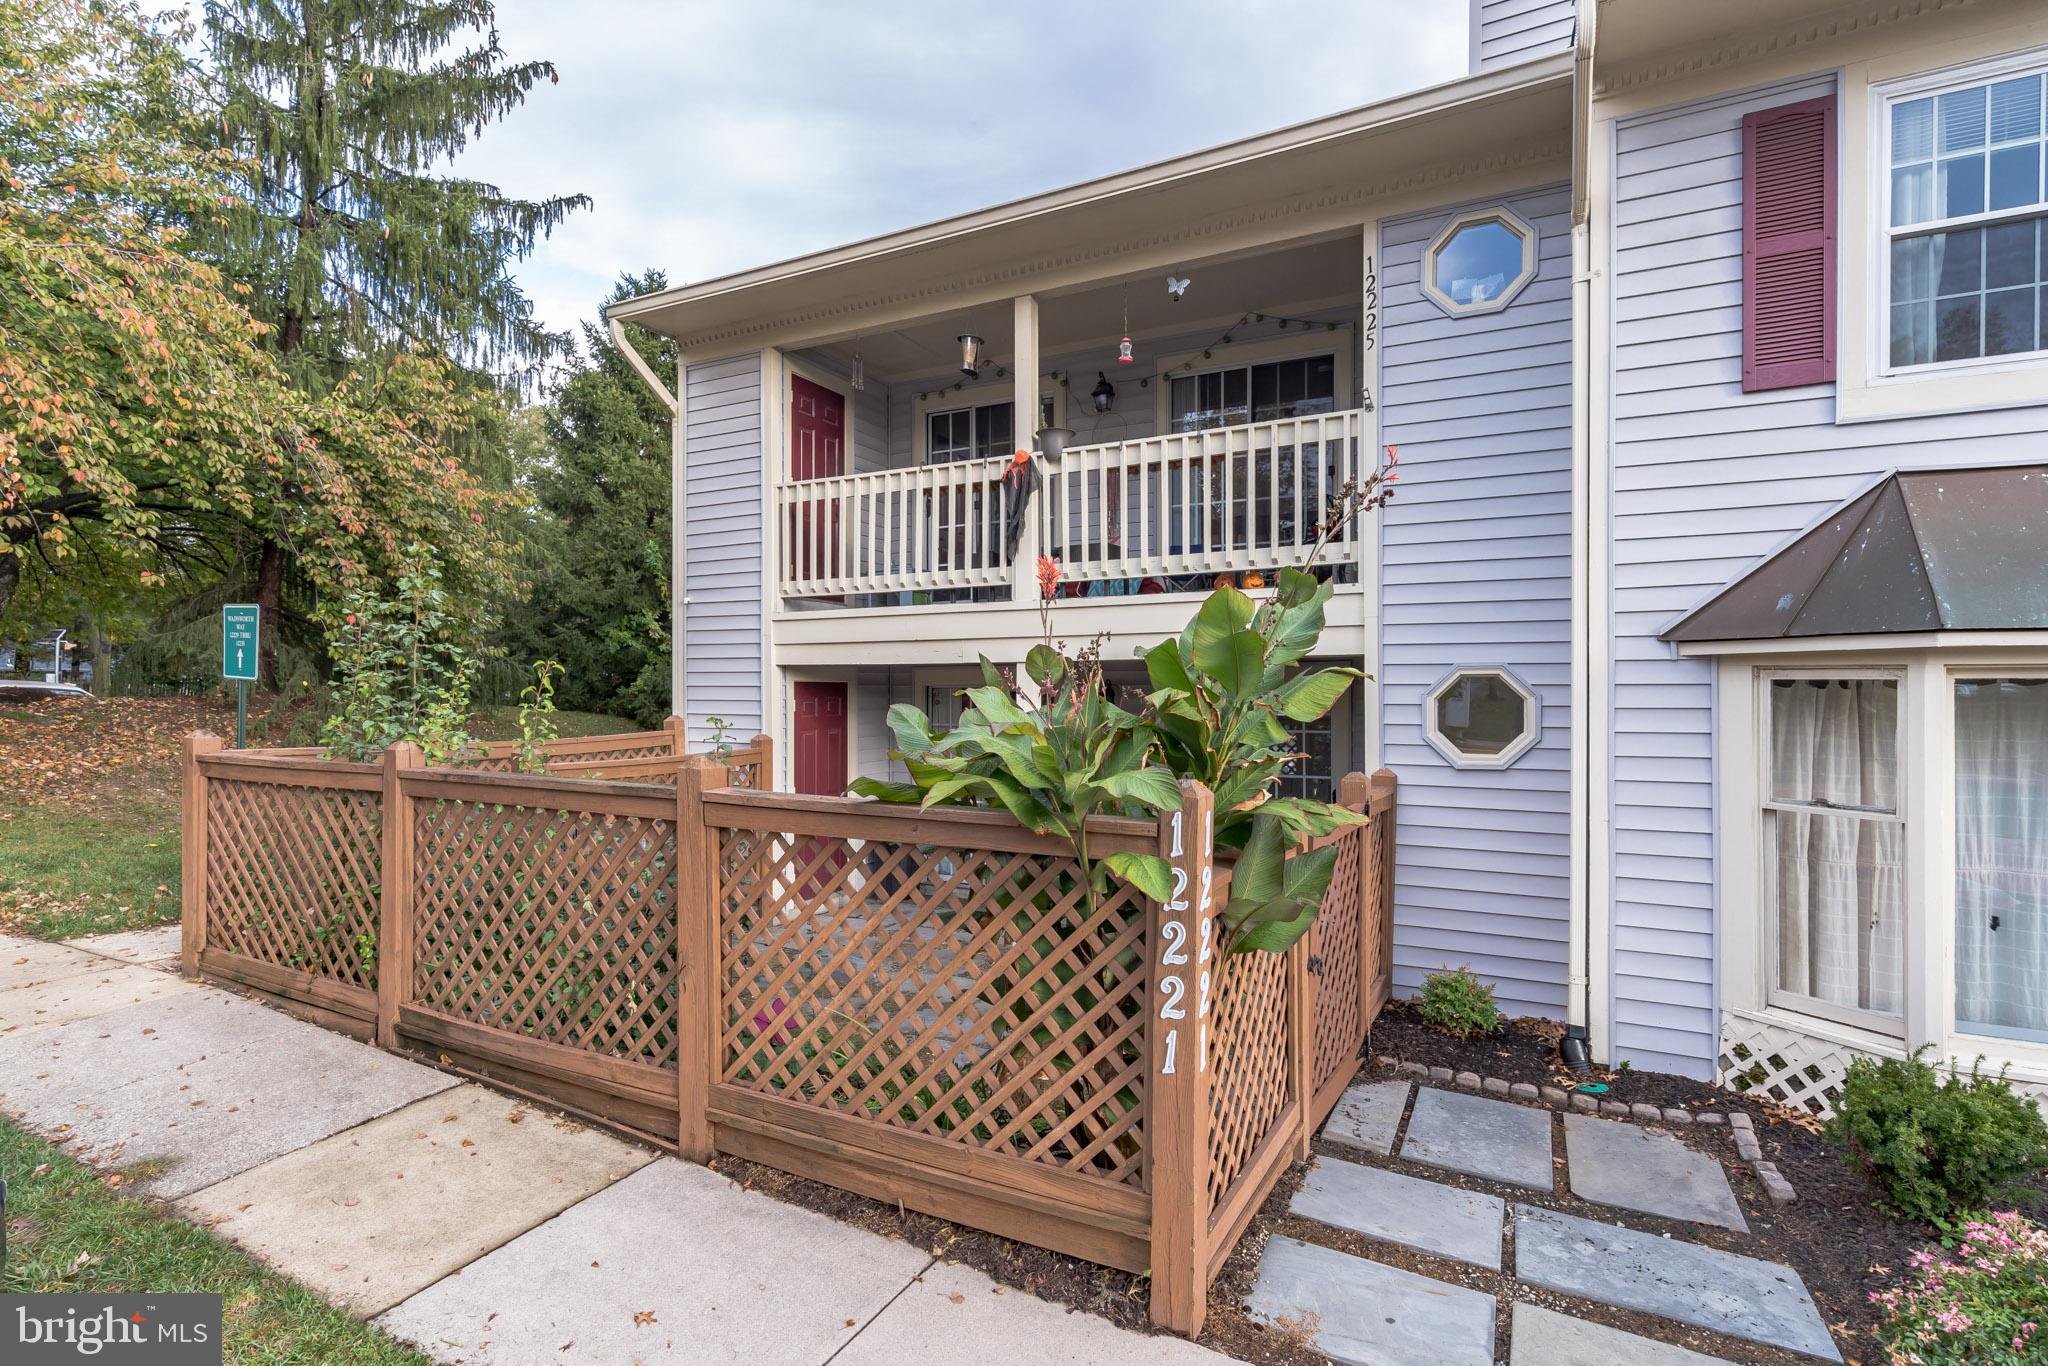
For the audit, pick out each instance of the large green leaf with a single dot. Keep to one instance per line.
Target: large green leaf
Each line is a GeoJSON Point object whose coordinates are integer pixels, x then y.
{"type": "Point", "coordinates": [1309, 695]}
{"type": "Point", "coordinates": [1164, 668]}
{"type": "Point", "coordinates": [1153, 787]}
{"type": "Point", "coordinates": [1222, 616]}
{"type": "Point", "coordinates": [899, 794]}
{"type": "Point", "coordinates": [1312, 818]}
{"type": "Point", "coordinates": [1149, 873]}
{"type": "Point", "coordinates": [1237, 663]}
{"type": "Point", "coordinates": [911, 727]}
{"type": "Point", "coordinates": [1276, 936]}
{"type": "Point", "coordinates": [1259, 873]}
{"type": "Point", "coordinates": [1027, 808]}
{"type": "Point", "coordinates": [1046, 666]}
{"type": "Point", "coordinates": [996, 707]}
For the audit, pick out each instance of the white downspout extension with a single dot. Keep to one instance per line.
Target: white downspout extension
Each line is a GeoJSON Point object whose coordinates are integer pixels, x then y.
{"type": "Point", "coordinates": [1578, 992]}
{"type": "Point", "coordinates": [678, 496]}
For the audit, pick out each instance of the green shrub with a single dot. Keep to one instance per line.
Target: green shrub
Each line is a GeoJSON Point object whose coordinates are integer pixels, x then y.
{"type": "Point", "coordinates": [1932, 1146]}
{"type": "Point", "coordinates": [1985, 1302]}
{"type": "Point", "coordinates": [1459, 1004]}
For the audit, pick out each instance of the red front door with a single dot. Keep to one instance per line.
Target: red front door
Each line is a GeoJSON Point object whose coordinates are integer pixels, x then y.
{"type": "Point", "coordinates": [821, 739]}
{"type": "Point", "coordinates": [817, 450]}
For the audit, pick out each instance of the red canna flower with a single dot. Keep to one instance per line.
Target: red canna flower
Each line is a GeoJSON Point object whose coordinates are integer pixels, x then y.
{"type": "Point", "coordinates": [1393, 455]}
{"type": "Point", "coordinates": [1048, 576]}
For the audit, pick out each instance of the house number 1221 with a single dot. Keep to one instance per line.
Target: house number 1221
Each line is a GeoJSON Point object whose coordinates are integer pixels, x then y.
{"type": "Point", "coordinates": [1173, 952]}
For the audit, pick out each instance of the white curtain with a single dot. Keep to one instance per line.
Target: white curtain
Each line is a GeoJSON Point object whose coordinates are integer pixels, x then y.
{"type": "Point", "coordinates": [1840, 876]}
{"type": "Point", "coordinates": [2002, 855]}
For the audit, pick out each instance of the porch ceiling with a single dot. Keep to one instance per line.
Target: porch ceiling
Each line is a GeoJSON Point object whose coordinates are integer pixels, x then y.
{"type": "Point", "coordinates": [1288, 280]}
{"type": "Point", "coordinates": [1313, 176]}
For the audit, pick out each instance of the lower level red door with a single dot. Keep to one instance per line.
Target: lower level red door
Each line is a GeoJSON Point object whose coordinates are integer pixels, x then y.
{"type": "Point", "coordinates": [820, 739]}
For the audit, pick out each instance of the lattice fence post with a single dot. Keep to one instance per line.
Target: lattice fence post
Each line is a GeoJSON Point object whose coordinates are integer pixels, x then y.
{"type": "Point", "coordinates": [1384, 806]}
{"type": "Point", "coordinates": [192, 871]}
{"type": "Point", "coordinates": [1356, 791]}
{"type": "Point", "coordinates": [697, 966]}
{"type": "Point", "coordinates": [394, 912]}
{"type": "Point", "coordinates": [764, 767]}
{"type": "Point", "coordinates": [1182, 944]}
{"type": "Point", "coordinates": [678, 736]}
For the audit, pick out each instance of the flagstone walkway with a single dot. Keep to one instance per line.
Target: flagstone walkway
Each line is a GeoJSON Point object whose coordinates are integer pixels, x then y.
{"type": "Point", "coordinates": [482, 1229]}
{"type": "Point", "coordinates": [1366, 1312]}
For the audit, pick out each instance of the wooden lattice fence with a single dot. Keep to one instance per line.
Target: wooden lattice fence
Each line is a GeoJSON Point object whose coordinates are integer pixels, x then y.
{"type": "Point", "coordinates": [923, 1007]}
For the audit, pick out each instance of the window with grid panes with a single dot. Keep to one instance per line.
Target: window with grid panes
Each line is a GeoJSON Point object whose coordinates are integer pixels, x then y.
{"type": "Point", "coordinates": [1967, 222]}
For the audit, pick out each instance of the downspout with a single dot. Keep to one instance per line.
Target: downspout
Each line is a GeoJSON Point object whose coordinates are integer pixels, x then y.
{"type": "Point", "coordinates": [1574, 1049]}
{"type": "Point", "coordinates": [678, 495]}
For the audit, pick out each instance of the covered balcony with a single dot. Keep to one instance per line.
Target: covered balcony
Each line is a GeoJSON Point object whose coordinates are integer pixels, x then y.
{"type": "Point", "coordinates": [1211, 454]}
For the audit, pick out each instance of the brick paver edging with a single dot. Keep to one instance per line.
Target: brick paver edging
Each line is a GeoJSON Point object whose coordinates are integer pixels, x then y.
{"type": "Point", "coordinates": [1740, 1126]}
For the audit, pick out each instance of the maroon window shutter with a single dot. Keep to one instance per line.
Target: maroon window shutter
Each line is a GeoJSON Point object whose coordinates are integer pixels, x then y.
{"type": "Point", "coordinates": [1788, 245]}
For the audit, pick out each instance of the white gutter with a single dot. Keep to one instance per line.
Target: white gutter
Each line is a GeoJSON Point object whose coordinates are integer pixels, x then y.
{"type": "Point", "coordinates": [1579, 968]}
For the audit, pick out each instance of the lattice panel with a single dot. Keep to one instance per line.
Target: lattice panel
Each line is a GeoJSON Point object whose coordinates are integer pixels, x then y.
{"type": "Point", "coordinates": [1784, 1064]}
{"type": "Point", "coordinates": [555, 925]}
{"type": "Point", "coordinates": [966, 994]}
{"type": "Point", "coordinates": [1247, 1063]}
{"type": "Point", "coordinates": [1334, 958]}
{"type": "Point", "coordinates": [292, 877]}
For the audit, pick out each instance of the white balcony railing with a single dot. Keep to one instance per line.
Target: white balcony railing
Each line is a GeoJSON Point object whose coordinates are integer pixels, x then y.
{"type": "Point", "coordinates": [1222, 500]}
{"type": "Point", "coordinates": [1160, 512]}
{"type": "Point", "coordinates": [922, 528]}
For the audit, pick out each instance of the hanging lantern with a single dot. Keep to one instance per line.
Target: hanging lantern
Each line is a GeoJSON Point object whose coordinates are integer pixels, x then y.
{"type": "Point", "coordinates": [1123, 352]}
{"type": "Point", "coordinates": [970, 355]}
{"type": "Point", "coordinates": [1104, 393]}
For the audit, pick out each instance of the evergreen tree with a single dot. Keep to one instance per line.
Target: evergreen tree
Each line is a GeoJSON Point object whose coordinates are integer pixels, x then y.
{"type": "Point", "coordinates": [355, 244]}
{"type": "Point", "coordinates": [598, 552]}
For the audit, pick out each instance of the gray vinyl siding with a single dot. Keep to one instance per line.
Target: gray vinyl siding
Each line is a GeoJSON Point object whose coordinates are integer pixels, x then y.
{"type": "Point", "coordinates": [1476, 570]}
{"type": "Point", "coordinates": [1705, 482]}
{"type": "Point", "coordinates": [1505, 32]}
{"type": "Point", "coordinates": [723, 613]}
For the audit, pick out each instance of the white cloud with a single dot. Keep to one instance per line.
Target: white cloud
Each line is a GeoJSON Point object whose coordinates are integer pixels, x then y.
{"type": "Point", "coordinates": [717, 136]}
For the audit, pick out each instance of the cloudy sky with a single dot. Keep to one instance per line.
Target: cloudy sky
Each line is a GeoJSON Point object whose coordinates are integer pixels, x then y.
{"type": "Point", "coordinates": [714, 135]}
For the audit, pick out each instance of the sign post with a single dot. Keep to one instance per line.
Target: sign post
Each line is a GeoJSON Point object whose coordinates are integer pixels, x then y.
{"type": "Point", "coordinates": [240, 630]}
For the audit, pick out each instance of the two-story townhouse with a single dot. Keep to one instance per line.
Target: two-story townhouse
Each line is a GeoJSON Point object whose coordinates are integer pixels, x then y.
{"type": "Point", "coordinates": [1654, 303]}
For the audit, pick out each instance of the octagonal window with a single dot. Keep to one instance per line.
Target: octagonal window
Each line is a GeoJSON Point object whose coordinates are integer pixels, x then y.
{"type": "Point", "coordinates": [1482, 718]}
{"type": "Point", "coordinates": [1479, 262]}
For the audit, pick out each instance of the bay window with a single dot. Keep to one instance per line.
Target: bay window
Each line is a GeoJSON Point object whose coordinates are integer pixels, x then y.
{"type": "Point", "coordinates": [2001, 857]}
{"type": "Point", "coordinates": [1834, 845]}
{"type": "Point", "coordinates": [1886, 883]}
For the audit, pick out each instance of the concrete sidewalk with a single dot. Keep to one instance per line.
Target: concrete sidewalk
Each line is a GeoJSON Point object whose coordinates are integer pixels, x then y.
{"type": "Point", "coordinates": [478, 1227]}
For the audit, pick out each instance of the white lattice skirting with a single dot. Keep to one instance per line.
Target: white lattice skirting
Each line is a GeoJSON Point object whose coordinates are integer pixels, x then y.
{"type": "Point", "coordinates": [1766, 1057]}
{"type": "Point", "coordinates": [1802, 1065]}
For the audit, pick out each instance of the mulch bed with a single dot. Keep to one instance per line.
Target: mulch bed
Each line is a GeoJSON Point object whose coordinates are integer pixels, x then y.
{"type": "Point", "coordinates": [1842, 1244]}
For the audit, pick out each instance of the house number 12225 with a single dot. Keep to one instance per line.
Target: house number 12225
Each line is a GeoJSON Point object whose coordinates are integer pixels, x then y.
{"type": "Point", "coordinates": [1173, 952]}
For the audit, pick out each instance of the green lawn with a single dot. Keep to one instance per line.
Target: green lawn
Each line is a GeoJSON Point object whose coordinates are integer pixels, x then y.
{"type": "Point", "coordinates": [68, 1231]}
{"type": "Point", "coordinates": [68, 869]}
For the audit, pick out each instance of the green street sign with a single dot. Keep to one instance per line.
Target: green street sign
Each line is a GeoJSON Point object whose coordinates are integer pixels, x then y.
{"type": "Point", "coordinates": [239, 622]}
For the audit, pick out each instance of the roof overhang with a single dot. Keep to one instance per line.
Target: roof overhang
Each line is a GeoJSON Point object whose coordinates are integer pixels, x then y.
{"type": "Point", "coordinates": [1918, 553]}
{"type": "Point", "coordinates": [1331, 168]}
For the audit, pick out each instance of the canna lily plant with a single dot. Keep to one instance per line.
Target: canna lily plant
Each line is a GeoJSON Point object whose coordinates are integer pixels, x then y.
{"type": "Point", "coordinates": [1220, 695]}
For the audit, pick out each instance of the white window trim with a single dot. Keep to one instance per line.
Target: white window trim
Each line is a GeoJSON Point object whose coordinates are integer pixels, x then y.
{"type": "Point", "coordinates": [1458, 758]}
{"type": "Point", "coordinates": [1513, 222]}
{"type": "Point", "coordinates": [1927, 775]}
{"type": "Point", "coordinates": [1864, 392]}
{"type": "Point", "coordinates": [1882, 97]}
{"type": "Point", "coordinates": [980, 394]}
{"type": "Point", "coordinates": [1241, 355]}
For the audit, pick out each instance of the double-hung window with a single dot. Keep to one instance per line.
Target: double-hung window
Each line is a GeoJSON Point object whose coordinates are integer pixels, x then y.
{"type": "Point", "coordinates": [976, 433]}
{"type": "Point", "coordinates": [1834, 846]}
{"type": "Point", "coordinates": [1966, 221]}
{"type": "Point", "coordinates": [1254, 393]}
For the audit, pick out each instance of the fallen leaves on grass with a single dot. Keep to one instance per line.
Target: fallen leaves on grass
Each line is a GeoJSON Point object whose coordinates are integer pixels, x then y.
{"type": "Point", "coordinates": [73, 749]}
